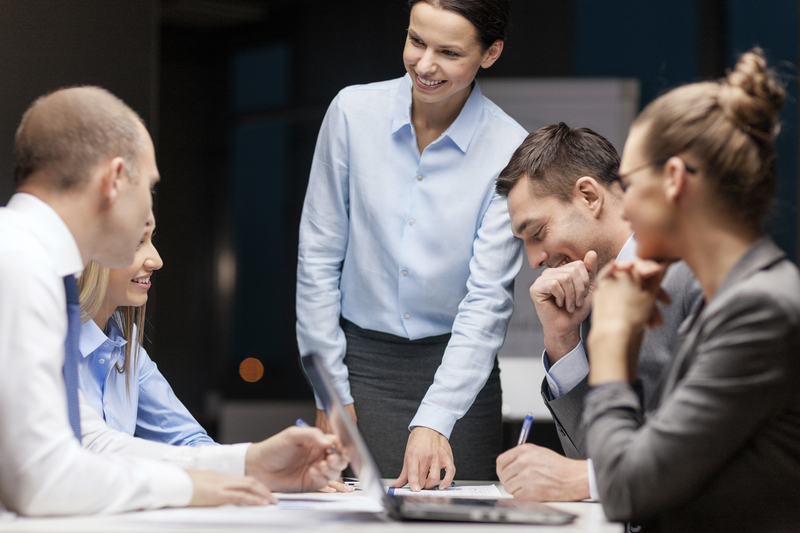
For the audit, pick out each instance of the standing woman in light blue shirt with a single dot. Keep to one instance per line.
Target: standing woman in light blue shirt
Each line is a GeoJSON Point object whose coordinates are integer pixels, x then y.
{"type": "Point", "coordinates": [117, 377]}
{"type": "Point", "coordinates": [406, 255]}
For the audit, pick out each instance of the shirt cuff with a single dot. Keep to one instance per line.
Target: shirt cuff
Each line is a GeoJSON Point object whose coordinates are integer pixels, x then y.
{"type": "Point", "coordinates": [435, 419]}
{"type": "Point", "coordinates": [568, 371]}
{"type": "Point", "coordinates": [171, 487]}
{"type": "Point", "coordinates": [594, 492]}
{"type": "Point", "coordinates": [343, 389]}
{"type": "Point", "coordinates": [226, 459]}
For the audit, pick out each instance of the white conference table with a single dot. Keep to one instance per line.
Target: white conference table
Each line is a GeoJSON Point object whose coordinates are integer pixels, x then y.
{"type": "Point", "coordinates": [290, 517]}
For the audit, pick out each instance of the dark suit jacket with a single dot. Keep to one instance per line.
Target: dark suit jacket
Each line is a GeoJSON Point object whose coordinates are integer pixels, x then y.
{"type": "Point", "coordinates": [721, 451]}
{"type": "Point", "coordinates": [655, 355]}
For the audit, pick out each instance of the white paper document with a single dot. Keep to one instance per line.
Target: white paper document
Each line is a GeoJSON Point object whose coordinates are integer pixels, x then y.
{"type": "Point", "coordinates": [475, 491]}
{"type": "Point", "coordinates": [334, 502]}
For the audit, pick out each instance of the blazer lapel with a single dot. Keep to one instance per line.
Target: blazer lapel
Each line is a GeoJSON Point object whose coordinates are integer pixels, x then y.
{"type": "Point", "coordinates": [760, 255]}
{"type": "Point", "coordinates": [685, 342]}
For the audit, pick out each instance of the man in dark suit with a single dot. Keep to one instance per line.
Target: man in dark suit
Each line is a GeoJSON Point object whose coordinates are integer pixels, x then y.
{"type": "Point", "coordinates": [565, 204]}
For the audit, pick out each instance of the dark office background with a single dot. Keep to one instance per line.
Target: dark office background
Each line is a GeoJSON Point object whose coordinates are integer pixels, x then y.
{"type": "Point", "coordinates": [234, 91]}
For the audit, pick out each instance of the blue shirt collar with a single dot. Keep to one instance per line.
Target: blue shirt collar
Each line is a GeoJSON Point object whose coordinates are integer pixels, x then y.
{"type": "Point", "coordinates": [460, 131]}
{"type": "Point", "coordinates": [92, 337]}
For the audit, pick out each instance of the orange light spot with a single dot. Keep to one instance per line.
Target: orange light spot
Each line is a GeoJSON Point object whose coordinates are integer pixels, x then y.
{"type": "Point", "coordinates": [251, 370]}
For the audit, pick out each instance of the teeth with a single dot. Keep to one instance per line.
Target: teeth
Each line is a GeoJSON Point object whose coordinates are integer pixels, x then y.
{"type": "Point", "coordinates": [561, 263]}
{"type": "Point", "coordinates": [428, 83]}
{"type": "Point", "coordinates": [142, 280]}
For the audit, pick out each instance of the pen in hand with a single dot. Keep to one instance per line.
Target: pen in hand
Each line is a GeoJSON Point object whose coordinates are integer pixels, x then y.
{"type": "Point", "coordinates": [526, 428]}
{"type": "Point", "coordinates": [303, 424]}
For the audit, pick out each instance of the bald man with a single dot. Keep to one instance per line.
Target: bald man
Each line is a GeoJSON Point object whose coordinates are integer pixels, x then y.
{"type": "Point", "coordinates": [84, 171]}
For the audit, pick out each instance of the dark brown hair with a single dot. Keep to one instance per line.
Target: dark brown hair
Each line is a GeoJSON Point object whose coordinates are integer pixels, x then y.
{"type": "Point", "coordinates": [69, 131]}
{"type": "Point", "coordinates": [490, 17]}
{"type": "Point", "coordinates": [730, 126]}
{"type": "Point", "coordinates": [553, 158]}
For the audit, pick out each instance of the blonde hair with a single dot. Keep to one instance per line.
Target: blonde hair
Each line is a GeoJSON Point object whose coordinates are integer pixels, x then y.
{"type": "Point", "coordinates": [730, 125]}
{"type": "Point", "coordinates": [93, 286]}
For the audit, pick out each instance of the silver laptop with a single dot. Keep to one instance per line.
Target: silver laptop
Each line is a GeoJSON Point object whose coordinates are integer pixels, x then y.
{"type": "Point", "coordinates": [417, 507]}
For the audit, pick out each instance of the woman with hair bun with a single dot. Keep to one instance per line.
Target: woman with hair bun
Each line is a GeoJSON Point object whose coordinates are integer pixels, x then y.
{"type": "Point", "coordinates": [721, 449]}
{"type": "Point", "coordinates": [406, 255]}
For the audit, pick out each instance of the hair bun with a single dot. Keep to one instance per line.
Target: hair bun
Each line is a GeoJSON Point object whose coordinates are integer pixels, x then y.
{"type": "Point", "coordinates": [752, 96]}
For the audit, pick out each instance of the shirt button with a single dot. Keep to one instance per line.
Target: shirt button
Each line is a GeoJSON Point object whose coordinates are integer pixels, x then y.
{"type": "Point", "coordinates": [411, 222]}
{"type": "Point", "coordinates": [406, 315]}
{"type": "Point", "coordinates": [102, 361]}
{"type": "Point", "coordinates": [405, 272]}
{"type": "Point", "coordinates": [419, 178]}
{"type": "Point", "coordinates": [105, 344]}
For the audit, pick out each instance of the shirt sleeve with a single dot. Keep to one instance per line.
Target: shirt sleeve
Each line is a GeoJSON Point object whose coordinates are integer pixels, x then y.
{"type": "Point", "coordinates": [480, 325]}
{"type": "Point", "coordinates": [43, 468]}
{"type": "Point", "coordinates": [324, 233]}
{"type": "Point", "coordinates": [99, 438]}
{"type": "Point", "coordinates": [161, 417]}
{"type": "Point", "coordinates": [568, 371]}
{"type": "Point", "coordinates": [743, 371]}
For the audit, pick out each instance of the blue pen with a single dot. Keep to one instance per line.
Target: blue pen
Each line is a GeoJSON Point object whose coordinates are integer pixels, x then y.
{"type": "Point", "coordinates": [303, 424]}
{"type": "Point", "coordinates": [526, 428]}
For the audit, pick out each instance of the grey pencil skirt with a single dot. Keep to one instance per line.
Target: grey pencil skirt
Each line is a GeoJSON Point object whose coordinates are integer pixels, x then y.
{"type": "Point", "coordinates": [390, 375]}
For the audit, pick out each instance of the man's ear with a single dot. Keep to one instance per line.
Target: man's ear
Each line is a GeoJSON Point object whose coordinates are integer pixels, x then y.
{"type": "Point", "coordinates": [590, 194]}
{"type": "Point", "coordinates": [112, 174]}
{"type": "Point", "coordinates": [492, 54]}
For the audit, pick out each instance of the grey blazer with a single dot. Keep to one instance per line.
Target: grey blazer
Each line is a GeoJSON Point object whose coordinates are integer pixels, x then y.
{"type": "Point", "coordinates": [655, 355]}
{"type": "Point", "coordinates": [721, 449]}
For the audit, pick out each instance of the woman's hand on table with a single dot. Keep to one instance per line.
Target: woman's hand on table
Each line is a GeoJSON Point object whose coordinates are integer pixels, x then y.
{"type": "Point", "coordinates": [427, 453]}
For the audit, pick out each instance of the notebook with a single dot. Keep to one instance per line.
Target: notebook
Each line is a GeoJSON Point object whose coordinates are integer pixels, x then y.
{"type": "Point", "coordinates": [416, 507]}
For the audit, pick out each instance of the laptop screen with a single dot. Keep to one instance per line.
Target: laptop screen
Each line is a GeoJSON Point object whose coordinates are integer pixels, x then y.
{"type": "Point", "coordinates": [414, 507]}
{"type": "Point", "coordinates": [344, 426]}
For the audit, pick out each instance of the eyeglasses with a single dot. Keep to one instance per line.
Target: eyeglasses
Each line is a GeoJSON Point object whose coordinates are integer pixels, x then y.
{"type": "Point", "coordinates": [656, 162]}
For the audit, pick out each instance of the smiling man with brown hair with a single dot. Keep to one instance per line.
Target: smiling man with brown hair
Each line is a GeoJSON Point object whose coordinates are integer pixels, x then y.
{"type": "Point", "coordinates": [564, 202]}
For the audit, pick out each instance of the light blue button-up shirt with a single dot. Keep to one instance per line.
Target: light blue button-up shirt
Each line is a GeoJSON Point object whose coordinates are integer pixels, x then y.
{"type": "Point", "coordinates": [150, 410]}
{"type": "Point", "coordinates": [408, 244]}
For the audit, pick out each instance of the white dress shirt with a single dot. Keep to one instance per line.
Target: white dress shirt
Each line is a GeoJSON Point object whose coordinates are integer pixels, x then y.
{"type": "Point", "coordinates": [415, 245]}
{"type": "Point", "coordinates": [227, 459]}
{"type": "Point", "coordinates": [43, 468]}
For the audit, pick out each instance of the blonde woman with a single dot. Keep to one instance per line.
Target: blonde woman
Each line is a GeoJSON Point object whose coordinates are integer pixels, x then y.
{"type": "Point", "coordinates": [117, 376]}
{"type": "Point", "coordinates": [121, 382]}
